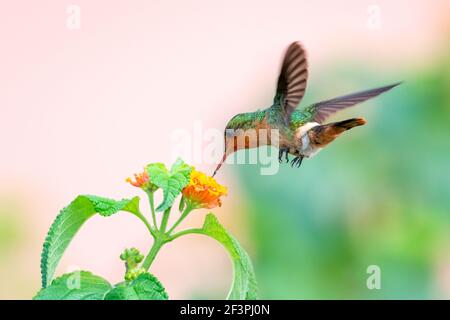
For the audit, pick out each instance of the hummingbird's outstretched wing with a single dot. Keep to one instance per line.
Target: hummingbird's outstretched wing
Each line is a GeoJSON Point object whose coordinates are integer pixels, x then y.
{"type": "Point", "coordinates": [292, 80]}
{"type": "Point", "coordinates": [322, 110]}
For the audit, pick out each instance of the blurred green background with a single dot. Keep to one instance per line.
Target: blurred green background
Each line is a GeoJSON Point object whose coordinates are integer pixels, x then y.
{"type": "Point", "coordinates": [379, 195]}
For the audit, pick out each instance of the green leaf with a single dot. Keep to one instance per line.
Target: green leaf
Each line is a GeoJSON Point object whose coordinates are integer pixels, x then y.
{"type": "Point", "coordinates": [70, 220]}
{"type": "Point", "coordinates": [144, 287]}
{"type": "Point", "coordinates": [244, 285]}
{"type": "Point", "coordinates": [171, 182]}
{"type": "Point", "coordinates": [78, 285]}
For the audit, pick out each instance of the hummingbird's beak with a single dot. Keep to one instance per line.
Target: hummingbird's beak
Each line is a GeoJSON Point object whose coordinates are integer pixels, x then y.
{"type": "Point", "coordinates": [220, 164]}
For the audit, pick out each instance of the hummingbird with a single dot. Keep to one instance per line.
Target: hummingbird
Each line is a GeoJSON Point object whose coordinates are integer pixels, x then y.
{"type": "Point", "coordinates": [302, 131]}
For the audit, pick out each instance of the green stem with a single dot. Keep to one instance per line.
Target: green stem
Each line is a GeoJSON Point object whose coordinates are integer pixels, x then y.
{"type": "Point", "coordinates": [152, 253]}
{"type": "Point", "coordinates": [185, 232]}
{"type": "Point", "coordinates": [147, 224]}
{"type": "Point", "coordinates": [183, 215]}
{"type": "Point", "coordinates": [164, 220]}
{"type": "Point", "coordinates": [152, 208]}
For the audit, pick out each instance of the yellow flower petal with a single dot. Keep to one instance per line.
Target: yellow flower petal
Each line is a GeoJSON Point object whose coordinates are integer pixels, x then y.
{"type": "Point", "coordinates": [203, 191]}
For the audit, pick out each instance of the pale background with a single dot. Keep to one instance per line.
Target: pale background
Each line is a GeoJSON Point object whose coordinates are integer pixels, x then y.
{"type": "Point", "coordinates": [83, 109]}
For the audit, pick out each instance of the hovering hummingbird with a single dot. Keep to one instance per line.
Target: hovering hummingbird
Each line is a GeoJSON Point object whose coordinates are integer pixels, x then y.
{"type": "Point", "coordinates": [302, 132]}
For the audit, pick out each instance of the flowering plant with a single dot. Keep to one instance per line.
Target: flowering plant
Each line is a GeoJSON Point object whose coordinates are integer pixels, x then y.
{"type": "Point", "coordinates": [197, 191]}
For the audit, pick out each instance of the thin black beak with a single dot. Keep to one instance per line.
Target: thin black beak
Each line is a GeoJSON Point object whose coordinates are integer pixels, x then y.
{"type": "Point", "coordinates": [220, 164]}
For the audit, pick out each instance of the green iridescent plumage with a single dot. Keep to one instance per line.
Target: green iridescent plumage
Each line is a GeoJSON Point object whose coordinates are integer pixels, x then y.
{"type": "Point", "coordinates": [273, 116]}
{"type": "Point", "coordinates": [246, 120]}
{"type": "Point", "coordinates": [299, 117]}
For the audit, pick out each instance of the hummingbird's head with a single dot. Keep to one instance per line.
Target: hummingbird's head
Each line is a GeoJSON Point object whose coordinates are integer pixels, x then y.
{"type": "Point", "coordinates": [235, 136]}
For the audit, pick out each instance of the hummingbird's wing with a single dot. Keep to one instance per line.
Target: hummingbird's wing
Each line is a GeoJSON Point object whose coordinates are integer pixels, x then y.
{"type": "Point", "coordinates": [322, 110]}
{"type": "Point", "coordinates": [292, 80]}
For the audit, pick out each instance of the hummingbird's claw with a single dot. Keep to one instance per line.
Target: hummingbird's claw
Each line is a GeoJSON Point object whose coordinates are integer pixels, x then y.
{"type": "Point", "coordinates": [293, 162]}
{"type": "Point", "coordinates": [280, 155]}
{"type": "Point", "coordinates": [296, 161]}
{"type": "Point", "coordinates": [299, 162]}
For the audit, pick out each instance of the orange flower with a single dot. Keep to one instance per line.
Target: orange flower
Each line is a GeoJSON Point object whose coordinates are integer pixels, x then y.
{"type": "Point", "coordinates": [142, 180]}
{"type": "Point", "coordinates": [203, 191]}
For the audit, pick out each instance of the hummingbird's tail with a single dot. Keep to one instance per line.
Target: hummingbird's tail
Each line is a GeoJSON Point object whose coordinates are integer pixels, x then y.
{"type": "Point", "coordinates": [322, 135]}
{"type": "Point", "coordinates": [344, 125]}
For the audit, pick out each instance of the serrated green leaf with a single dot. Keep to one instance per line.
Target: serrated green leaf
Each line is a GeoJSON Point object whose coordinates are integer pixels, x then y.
{"type": "Point", "coordinates": [144, 287]}
{"type": "Point", "coordinates": [78, 285]}
{"type": "Point", "coordinates": [70, 220]}
{"type": "Point", "coordinates": [106, 207]}
{"type": "Point", "coordinates": [244, 286]}
{"type": "Point", "coordinates": [171, 182]}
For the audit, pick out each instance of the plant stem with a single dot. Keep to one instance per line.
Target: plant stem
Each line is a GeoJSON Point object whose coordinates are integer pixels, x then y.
{"type": "Point", "coordinates": [164, 220]}
{"type": "Point", "coordinates": [152, 208]}
{"type": "Point", "coordinates": [152, 253]}
{"type": "Point", "coordinates": [183, 215]}
{"type": "Point", "coordinates": [160, 236]}
{"type": "Point", "coordinates": [147, 224]}
{"type": "Point", "coordinates": [185, 232]}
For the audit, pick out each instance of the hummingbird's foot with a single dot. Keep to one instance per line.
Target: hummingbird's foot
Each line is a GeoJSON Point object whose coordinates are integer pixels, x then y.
{"type": "Point", "coordinates": [293, 162]}
{"type": "Point", "coordinates": [299, 163]}
{"type": "Point", "coordinates": [280, 155]}
{"type": "Point", "coordinates": [296, 161]}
